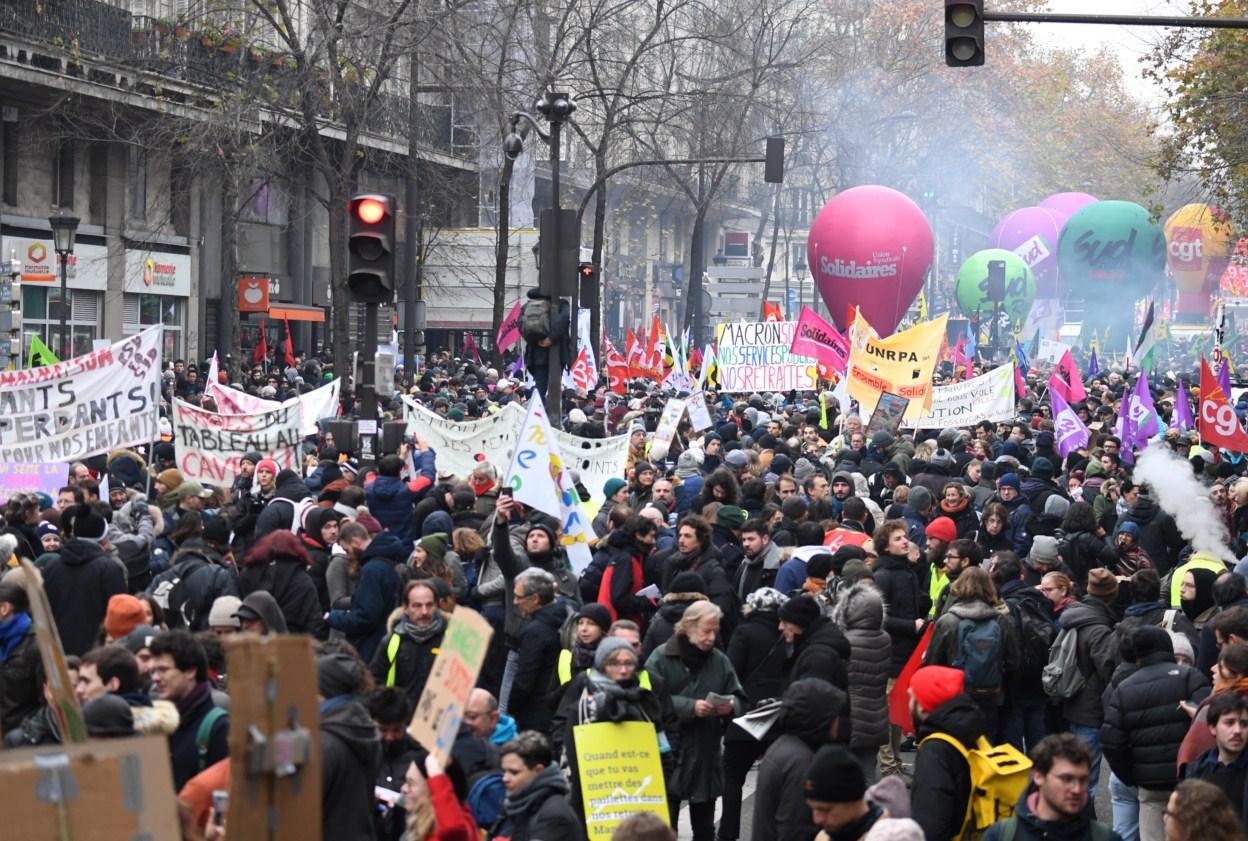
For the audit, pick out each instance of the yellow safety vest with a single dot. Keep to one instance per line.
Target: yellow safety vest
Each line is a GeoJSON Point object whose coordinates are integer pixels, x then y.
{"type": "Point", "coordinates": [935, 586]}
{"type": "Point", "coordinates": [392, 654]}
{"type": "Point", "coordinates": [1197, 561]}
{"type": "Point", "coordinates": [564, 670]}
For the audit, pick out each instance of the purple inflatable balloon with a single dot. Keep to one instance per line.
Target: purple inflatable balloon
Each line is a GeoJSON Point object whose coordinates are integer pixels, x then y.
{"type": "Point", "coordinates": [1067, 204]}
{"type": "Point", "coordinates": [1032, 233]}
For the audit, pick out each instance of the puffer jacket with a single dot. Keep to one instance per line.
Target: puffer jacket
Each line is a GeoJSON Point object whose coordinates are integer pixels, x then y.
{"type": "Point", "coordinates": [1144, 725]}
{"type": "Point", "coordinates": [392, 501]}
{"type": "Point", "coordinates": [944, 647]}
{"type": "Point", "coordinates": [860, 612]}
{"type": "Point", "coordinates": [1094, 621]}
{"type": "Point", "coordinates": [277, 514]}
{"type": "Point", "coordinates": [821, 651]}
{"type": "Point", "coordinates": [899, 584]}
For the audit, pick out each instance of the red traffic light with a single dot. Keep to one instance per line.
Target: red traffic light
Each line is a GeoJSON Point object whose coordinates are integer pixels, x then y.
{"type": "Point", "coordinates": [370, 211]}
{"type": "Point", "coordinates": [587, 270]}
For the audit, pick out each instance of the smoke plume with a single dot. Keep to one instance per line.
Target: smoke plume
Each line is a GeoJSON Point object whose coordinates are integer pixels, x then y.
{"type": "Point", "coordinates": [1181, 495]}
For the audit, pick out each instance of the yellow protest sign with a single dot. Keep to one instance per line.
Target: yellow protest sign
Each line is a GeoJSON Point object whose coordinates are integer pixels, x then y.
{"type": "Point", "coordinates": [901, 364]}
{"type": "Point", "coordinates": [620, 774]}
{"type": "Point", "coordinates": [441, 707]}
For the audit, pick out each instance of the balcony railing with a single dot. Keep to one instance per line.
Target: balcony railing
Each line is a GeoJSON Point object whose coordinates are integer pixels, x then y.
{"type": "Point", "coordinates": [85, 28]}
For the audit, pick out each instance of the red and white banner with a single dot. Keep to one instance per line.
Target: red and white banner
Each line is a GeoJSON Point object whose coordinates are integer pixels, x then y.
{"type": "Point", "coordinates": [816, 338]}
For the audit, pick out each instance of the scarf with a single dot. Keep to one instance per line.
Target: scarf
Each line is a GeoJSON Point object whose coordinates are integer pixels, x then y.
{"type": "Point", "coordinates": [814, 586]}
{"type": "Point", "coordinates": [188, 702]}
{"type": "Point", "coordinates": [691, 656]}
{"type": "Point", "coordinates": [607, 700]}
{"type": "Point", "coordinates": [582, 656]}
{"type": "Point", "coordinates": [548, 782]}
{"type": "Point", "coordinates": [954, 510]}
{"type": "Point", "coordinates": [11, 633]}
{"type": "Point", "coordinates": [421, 635]}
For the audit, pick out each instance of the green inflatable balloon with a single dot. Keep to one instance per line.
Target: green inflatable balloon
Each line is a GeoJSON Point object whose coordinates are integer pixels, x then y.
{"type": "Point", "coordinates": [1114, 247]}
{"type": "Point", "coordinates": [971, 288]}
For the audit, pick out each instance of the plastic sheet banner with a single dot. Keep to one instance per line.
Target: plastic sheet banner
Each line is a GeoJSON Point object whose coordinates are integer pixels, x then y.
{"type": "Point", "coordinates": [756, 356]}
{"type": "Point", "coordinates": [458, 443]}
{"type": "Point", "coordinates": [988, 397]}
{"type": "Point", "coordinates": [621, 774]}
{"type": "Point", "coordinates": [26, 477]}
{"type": "Point", "coordinates": [95, 403]}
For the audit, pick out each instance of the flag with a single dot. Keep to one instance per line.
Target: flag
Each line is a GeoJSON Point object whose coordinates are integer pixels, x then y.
{"type": "Point", "coordinates": [1182, 418]}
{"type": "Point", "coordinates": [509, 331]}
{"type": "Point", "coordinates": [1218, 423]}
{"type": "Point", "coordinates": [470, 347]}
{"type": "Point", "coordinates": [289, 350]}
{"type": "Point", "coordinates": [922, 305]}
{"type": "Point", "coordinates": [709, 375]}
{"type": "Point", "coordinates": [654, 353]}
{"type": "Point", "coordinates": [1140, 421]}
{"type": "Point", "coordinates": [1094, 367]}
{"type": "Point", "coordinates": [214, 371]}
{"type": "Point", "coordinates": [971, 346]}
{"type": "Point", "coordinates": [1065, 380]}
{"type": "Point", "coordinates": [40, 354]}
{"type": "Point", "coordinates": [1069, 430]}
{"type": "Point", "coordinates": [632, 353]}
{"type": "Point", "coordinates": [1034, 350]}
{"type": "Point", "coordinates": [1224, 375]}
{"type": "Point", "coordinates": [582, 376]}
{"type": "Point", "coordinates": [1020, 384]}
{"type": "Point", "coordinates": [261, 352]}
{"type": "Point", "coordinates": [1020, 356]}
{"type": "Point", "coordinates": [1147, 339]}
{"type": "Point", "coordinates": [899, 695]}
{"type": "Point", "coordinates": [771, 312]}
{"type": "Point", "coordinates": [617, 369]}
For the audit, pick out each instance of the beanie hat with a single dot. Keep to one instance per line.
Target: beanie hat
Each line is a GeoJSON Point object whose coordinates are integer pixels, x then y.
{"type": "Point", "coordinates": [834, 776]}
{"type": "Point", "coordinates": [1009, 480]}
{"type": "Point", "coordinates": [596, 613]}
{"type": "Point", "coordinates": [781, 464]}
{"type": "Point", "coordinates": [139, 639]}
{"type": "Point", "coordinates": [942, 458]}
{"type": "Point", "coordinates": [764, 599]}
{"type": "Point", "coordinates": [1182, 646]}
{"type": "Point", "coordinates": [1128, 527]}
{"type": "Point", "coordinates": [124, 614]}
{"type": "Point", "coordinates": [882, 439]}
{"type": "Point", "coordinates": [612, 486]}
{"type": "Point", "coordinates": [1102, 584]}
{"type": "Point", "coordinates": [803, 469]}
{"type": "Point", "coordinates": [920, 498]}
{"type": "Point", "coordinates": [609, 646]}
{"type": "Point", "coordinates": [1056, 505]}
{"type": "Point", "coordinates": [895, 829]}
{"type": "Point", "coordinates": [731, 517]}
{"type": "Point", "coordinates": [1044, 439]}
{"type": "Point", "coordinates": [846, 554]}
{"type": "Point", "coordinates": [45, 529]}
{"type": "Point", "coordinates": [337, 674]}
{"type": "Point", "coordinates": [434, 545]}
{"type": "Point", "coordinates": [550, 533]}
{"type": "Point", "coordinates": [801, 610]}
{"type": "Point", "coordinates": [820, 566]}
{"type": "Point", "coordinates": [267, 464]}
{"type": "Point", "coordinates": [737, 458]}
{"type": "Point", "coordinates": [170, 478]}
{"type": "Point", "coordinates": [222, 614]}
{"type": "Point", "coordinates": [1043, 548]}
{"type": "Point", "coordinates": [855, 571]}
{"type": "Point", "coordinates": [84, 523]}
{"type": "Point", "coordinates": [253, 457]}
{"type": "Point", "coordinates": [642, 467]}
{"type": "Point", "coordinates": [686, 582]}
{"type": "Point", "coordinates": [932, 686]}
{"type": "Point", "coordinates": [108, 716]}
{"type": "Point", "coordinates": [942, 528]}
{"type": "Point", "coordinates": [1042, 468]}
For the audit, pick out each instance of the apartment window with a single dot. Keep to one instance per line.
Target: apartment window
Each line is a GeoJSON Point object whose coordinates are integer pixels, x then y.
{"type": "Point", "coordinates": [136, 178]}
{"type": "Point", "coordinates": [138, 312]}
{"type": "Point", "coordinates": [41, 316]}
{"type": "Point", "coordinates": [8, 137]}
{"type": "Point", "coordinates": [63, 175]}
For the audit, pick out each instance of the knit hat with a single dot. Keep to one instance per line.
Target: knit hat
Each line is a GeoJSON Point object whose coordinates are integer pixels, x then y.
{"type": "Point", "coordinates": [855, 571]}
{"type": "Point", "coordinates": [803, 469]}
{"type": "Point", "coordinates": [820, 566]}
{"type": "Point", "coordinates": [609, 646]}
{"type": "Point", "coordinates": [267, 464]}
{"type": "Point", "coordinates": [108, 717]}
{"type": "Point", "coordinates": [932, 686]}
{"type": "Point", "coordinates": [337, 674]}
{"type": "Point", "coordinates": [139, 639]}
{"type": "Point", "coordinates": [882, 439]}
{"type": "Point", "coordinates": [731, 517]}
{"type": "Point", "coordinates": [800, 610]}
{"type": "Point", "coordinates": [942, 458]}
{"type": "Point", "coordinates": [688, 463]}
{"type": "Point", "coordinates": [642, 467]}
{"type": "Point", "coordinates": [737, 459]}
{"type": "Point", "coordinates": [84, 523]}
{"type": "Point", "coordinates": [920, 498]}
{"type": "Point", "coordinates": [1042, 468]}
{"type": "Point", "coordinates": [596, 613]}
{"type": "Point", "coordinates": [1043, 549]}
{"type": "Point", "coordinates": [253, 457]}
{"type": "Point", "coordinates": [895, 829]}
{"type": "Point", "coordinates": [612, 486]}
{"type": "Point", "coordinates": [1044, 439]}
{"type": "Point", "coordinates": [1102, 584]}
{"type": "Point", "coordinates": [764, 599]}
{"type": "Point", "coordinates": [550, 533]}
{"type": "Point", "coordinates": [686, 582]}
{"type": "Point", "coordinates": [434, 545]}
{"type": "Point", "coordinates": [577, 416]}
{"type": "Point", "coordinates": [781, 464]}
{"type": "Point", "coordinates": [1182, 646]}
{"type": "Point", "coordinates": [1009, 480]}
{"type": "Point", "coordinates": [834, 776]}
{"type": "Point", "coordinates": [844, 555]}
{"type": "Point", "coordinates": [45, 529]}
{"type": "Point", "coordinates": [1056, 506]}
{"type": "Point", "coordinates": [171, 478]}
{"type": "Point", "coordinates": [942, 528]}
{"type": "Point", "coordinates": [124, 614]}
{"type": "Point", "coordinates": [222, 614]}
{"type": "Point", "coordinates": [1128, 527]}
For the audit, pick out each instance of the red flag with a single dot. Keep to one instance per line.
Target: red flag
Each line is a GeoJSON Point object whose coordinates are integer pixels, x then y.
{"type": "Point", "coordinates": [289, 350]}
{"type": "Point", "coordinates": [633, 353]}
{"type": "Point", "coordinates": [1216, 419]}
{"type": "Point", "coordinates": [1066, 382]}
{"type": "Point", "coordinates": [470, 347]}
{"type": "Point", "coordinates": [899, 697]}
{"type": "Point", "coordinates": [261, 352]}
{"type": "Point", "coordinates": [771, 312]}
{"type": "Point", "coordinates": [509, 330]}
{"type": "Point", "coordinates": [654, 354]}
{"type": "Point", "coordinates": [582, 374]}
{"type": "Point", "coordinates": [617, 368]}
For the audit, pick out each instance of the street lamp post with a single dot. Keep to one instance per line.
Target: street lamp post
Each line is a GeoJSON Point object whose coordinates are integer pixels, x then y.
{"type": "Point", "coordinates": [64, 230]}
{"type": "Point", "coordinates": [800, 270]}
{"type": "Point", "coordinates": [556, 109]}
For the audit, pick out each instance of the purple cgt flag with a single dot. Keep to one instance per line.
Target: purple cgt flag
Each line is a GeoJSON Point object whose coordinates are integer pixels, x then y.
{"type": "Point", "coordinates": [1070, 432]}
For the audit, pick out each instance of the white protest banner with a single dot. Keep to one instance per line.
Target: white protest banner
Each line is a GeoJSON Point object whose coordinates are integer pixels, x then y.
{"type": "Point", "coordinates": [699, 417]}
{"type": "Point", "coordinates": [988, 397]}
{"type": "Point", "coordinates": [231, 401]}
{"type": "Point", "coordinates": [94, 403]}
{"type": "Point", "coordinates": [457, 444]}
{"type": "Point", "coordinates": [209, 446]}
{"type": "Point", "coordinates": [755, 356]}
{"type": "Point", "coordinates": [1051, 352]}
{"type": "Point", "coordinates": [540, 480]}
{"type": "Point", "coordinates": [316, 404]}
{"type": "Point", "coordinates": [665, 432]}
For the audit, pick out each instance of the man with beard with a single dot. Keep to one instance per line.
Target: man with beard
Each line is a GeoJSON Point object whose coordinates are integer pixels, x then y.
{"type": "Point", "coordinates": [761, 562]}
{"type": "Point", "coordinates": [1056, 807]}
{"type": "Point", "coordinates": [940, 532]}
{"type": "Point", "coordinates": [959, 557]}
{"type": "Point", "coordinates": [407, 656]}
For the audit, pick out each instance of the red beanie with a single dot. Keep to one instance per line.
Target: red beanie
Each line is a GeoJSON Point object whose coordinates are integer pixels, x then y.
{"type": "Point", "coordinates": [942, 528]}
{"type": "Point", "coordinates": [123, 615]}
{"type": "Point", "coordinates": [932, 686]}
{"type": "Point", "coordinates": [267, 464]}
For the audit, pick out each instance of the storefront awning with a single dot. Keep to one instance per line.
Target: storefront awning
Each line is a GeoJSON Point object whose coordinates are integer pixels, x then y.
{"type": "Point", "coordinates": [298, 312]}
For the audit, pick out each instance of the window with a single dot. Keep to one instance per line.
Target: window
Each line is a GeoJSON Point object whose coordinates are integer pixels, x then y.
{"type": "Point", "coordinates": [41, 316]}
{"type": "Point", "coordinates": [63, 175]}
{"type": "Point", "coordinates": [141, 311]}
{"type": "Point", "coordinates": [136, 178]}
{"type": "Point", "coordinates": [8, 137]}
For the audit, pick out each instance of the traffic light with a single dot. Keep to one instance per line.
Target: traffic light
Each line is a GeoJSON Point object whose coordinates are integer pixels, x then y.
{"type": "Point", "coordinates": [370, 246]}
{"type": "Point", "coordinates": [586, 274]}
{"type": "Point", "coordinates": [964, 33]}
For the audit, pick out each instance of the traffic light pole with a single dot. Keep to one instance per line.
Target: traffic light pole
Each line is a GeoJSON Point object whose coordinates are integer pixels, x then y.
{"type": "Point", "coordinates": [367, 426]}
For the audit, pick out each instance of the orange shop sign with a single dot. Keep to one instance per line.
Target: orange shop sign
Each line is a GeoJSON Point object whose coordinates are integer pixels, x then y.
{"type": "Point", "coordinates": [253, 294]}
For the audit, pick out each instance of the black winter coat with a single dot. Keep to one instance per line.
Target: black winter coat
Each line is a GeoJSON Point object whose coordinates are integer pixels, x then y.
{"type": "Point", "coordinates": [1144, 725]}
{"type": "Point", "coordinates": [821, 651]}
{"type": "Point", "coordinates": [412, 662]}
{"type": "Point", "coordinates": [942, 780]}
{"type": "Point", "coordinates": [288, 581]}
{"type": "Point", "coordinates": [20, 692]}
{"type": "Point", "coordinates": [79, 582]}
{"type": "Point", "coordinates": [860, 612]}
{"type": "Point", "coordinates": [780, 810]}
{"type": "Point", "coordinates": [538, 647]}
{"type": "Point", "coordinates": [1095, 623]}
{"type": "Point", "coordinates": [548, 816]}
{"type": "Point", "coordinates": [1083, 551]}
{"type": "Point", "coordinates": [350, 759]}
{"type": "Point", "coordinates": [183, 744]}
{"type": "Point", "coordinates": [759, 656]}
{"type": "Point", "coordinates": [1159, 535]}
{"type": "Point", "coordinates": [663, 625]}
{"type": "Point", "coordinates": [716, 584]}
{"type": "Point", "coordinates": [899, 584]}
{"type": "Point", "coordinates": [277, 515]}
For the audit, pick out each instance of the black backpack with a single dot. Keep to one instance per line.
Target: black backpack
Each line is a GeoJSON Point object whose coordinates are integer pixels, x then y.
{"type": "Point", "coordinates": [138, 561]}
{"type": "Point", "coordinates": [535, 320]}
{"type": "Point", "coordinates": [1036, 630]}
{"type": "Point", "coordinates": [171, 590]}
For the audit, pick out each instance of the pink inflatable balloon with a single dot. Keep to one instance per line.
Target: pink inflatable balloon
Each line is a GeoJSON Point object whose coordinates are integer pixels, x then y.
{"type": "Point", "coordinates": [1067, 204]}
{"type": "Point", "coordinates": [1032, 233]}
{"type": "Point", "coordinates": [870, 247]}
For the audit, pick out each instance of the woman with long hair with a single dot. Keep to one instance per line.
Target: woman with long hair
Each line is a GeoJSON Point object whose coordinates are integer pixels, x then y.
{"type": "Point", "coordinates": [994, 529]}
{"type": "Point", "coordinates": [1199, 811]}
{"type": "Point", "coordinates": [434, 811]}
{"type": "Point", "coordinates": [721, 486]}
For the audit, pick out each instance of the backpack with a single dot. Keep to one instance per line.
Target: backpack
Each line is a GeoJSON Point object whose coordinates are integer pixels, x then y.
{"type": "Point", "coordinates": [298, 510]}
{"type": "Point", "coordinates": [1036, 633]}
{"type": "Point", "coordinates": [1061, 678]}
{"type": "Point", "coordinates": [204, 734]}
{"type": "Point", "coordinates": [138, 561]}
{"type": "Point", "coordinates": [1097, 831]}
{"type": "Point", "coordinates": [171, 591]}
{"type": "Point", "coordinates": [486, 794]}
{"type": "Point", "coordinates": [535, 320]}
{"type": "Point", "coordinates": [999, 776]}
{"type": "Point", "coordinates": [979, 654]}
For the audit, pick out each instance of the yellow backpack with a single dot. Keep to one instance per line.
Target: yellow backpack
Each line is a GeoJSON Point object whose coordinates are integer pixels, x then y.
{"type": "Point", "coordinates": [999, 776]}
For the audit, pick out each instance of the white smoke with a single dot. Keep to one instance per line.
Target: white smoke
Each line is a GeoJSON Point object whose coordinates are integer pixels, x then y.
{"type": "Point", "coordinates": [1181, 495]}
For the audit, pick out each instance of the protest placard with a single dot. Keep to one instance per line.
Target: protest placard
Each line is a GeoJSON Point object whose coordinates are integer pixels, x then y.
{"type": "Point", "coordinates": [988, 397]}
{"type": "Point", "coordinates": [755, 356]}
{"type": "Point", "coordinates": [817, 339]}
{"type": "Point", "coordinates": [665, 432]}
{"type": "Point", "coordinates": [900, 364]}
{"type": "Point", "coordinates": [620, 772]}
{"type": "Point", "coordinates": [699, 415]}
{"type": "Point", "coordinates": [887, 414]}
{"type": "Point", "coordinates": [441, 707]}
{"type": "Point", "coordinates": [1050, 352]}
{"type": "Point", "coordinates": [21, 477]}
{"type": "Point", "coordinates": [458, 443]}
{"type": "Point", "coordinates": [95, 403]}
{"type": "Point", "coordinates": [314, 405]}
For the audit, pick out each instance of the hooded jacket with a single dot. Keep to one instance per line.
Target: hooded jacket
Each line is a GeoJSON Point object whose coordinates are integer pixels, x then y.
{"type": "Point", "coordinates": [277, 515]}
{"type": "Point", "coordinates": [408, 653]}
{"type": "Point", "coordinates": [540, 811]}
{"type": "Point", "coordinates": [392, 500]}
{"type": "Point", "coordinates": [1159, 535]}
{"type": "Point", "coordinates": [20, 691]}
{"type": "Point", "coordinates": [861, 613]}
{"type": "Point", "coordinates": [79, 582]}
{"type": "Point", "coordinates": [286, 578]}
{"type": "Point", "coordinates": [537, 643]}
{"type": "Point", "coordinates": [263, 603]}
{"type": "Point", "coordinates": [820, 651]}
{"type": "Point", "coordinates": [350, 759]}
{"type": "Point", "coordinates": [943, 648]}
{"type": "Point", "coordinates": [375, 595]}
{"type": "Point", "coordinates": [942, 779]}
{"type": "Point", "coordinates": [898, 583]}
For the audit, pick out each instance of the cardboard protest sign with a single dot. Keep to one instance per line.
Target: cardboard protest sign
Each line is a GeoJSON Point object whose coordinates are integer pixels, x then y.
{"type": "Point", "coordinates": [817, 339]}
{"type": "Point", "coordinates": [901, 364]}
{"type": "Point", "coordinates": [441, 707]}
{"type": "Point", "coordinates": [988, 397]}
{"type": "Point", "coordinates": [20, 477]}
{"type": "Point", "coordinates": [665, 432]}
{"type": "Point", "coordinates": [699, 415]}
{"type": "Point", "coordinates": [620, 773]}
{"type": "Point", "coordinates": [756, 356]}
{"type": "Point", "coordinates": [457, 444]}
{"type": "Point", "coordinates": [105, 788]}
{"type": "Point", "coordinates": [887, 414]}
{"type": "Point", "coordinates": [95, 403]}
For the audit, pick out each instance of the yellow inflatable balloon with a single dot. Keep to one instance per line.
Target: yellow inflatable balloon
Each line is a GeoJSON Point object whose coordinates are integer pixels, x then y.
{"type": "Point", "coordinates": [1197, 235]}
